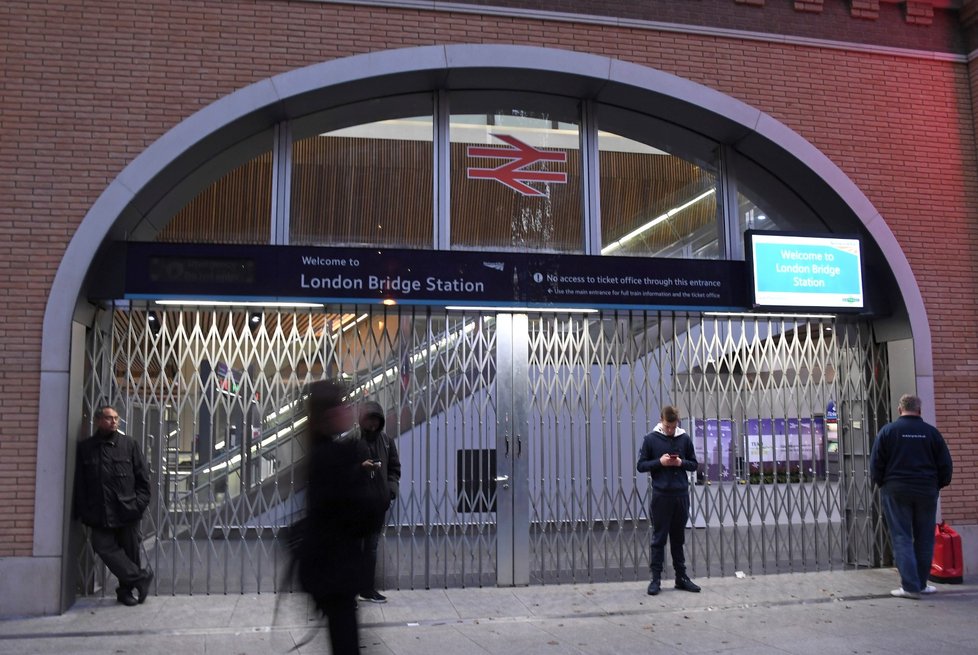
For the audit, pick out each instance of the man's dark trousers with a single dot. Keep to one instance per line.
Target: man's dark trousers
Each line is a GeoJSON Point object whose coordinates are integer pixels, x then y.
{"type": "Point", "coordinates": [119, 549]}
{"type": "Point", "coordinates": [669, 515]}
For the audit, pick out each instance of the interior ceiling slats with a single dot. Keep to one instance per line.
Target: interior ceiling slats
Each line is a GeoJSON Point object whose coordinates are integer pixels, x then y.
{"type": "Point", "coordinates": [369, 192]}
{"type": "Point", "coordinates": [235, 209]}
{"type": "Point", "coordinates": [360, 191]}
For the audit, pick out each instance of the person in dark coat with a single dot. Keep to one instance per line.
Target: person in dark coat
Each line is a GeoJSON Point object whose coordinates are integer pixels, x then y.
{"type": "Point", "coordinates": [329, 555]}
{"type": "Point", "coordinates": [111, 493]}
{"type": "Point", "coordinates": [380, 474]}
{"type": "Point", "coordinates": [668, 456]}
{"type": "Point", "coordinates": [910, 463]}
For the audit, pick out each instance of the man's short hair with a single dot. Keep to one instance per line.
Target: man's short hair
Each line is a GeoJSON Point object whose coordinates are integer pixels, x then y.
{"type": "Point", "coordinates": [100, 412]}
{"type": "Point", "coordinates": [670, 414]}
{"type": "Point", "coordinates": [910, 403]}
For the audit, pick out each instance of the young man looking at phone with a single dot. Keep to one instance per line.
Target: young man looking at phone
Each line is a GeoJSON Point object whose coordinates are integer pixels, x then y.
{"type": "Point", "coordinates": [667, 455]}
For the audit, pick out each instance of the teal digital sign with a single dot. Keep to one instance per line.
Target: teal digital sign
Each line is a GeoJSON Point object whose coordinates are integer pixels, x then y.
{"type": "Point", "coordinates": [812, 272]}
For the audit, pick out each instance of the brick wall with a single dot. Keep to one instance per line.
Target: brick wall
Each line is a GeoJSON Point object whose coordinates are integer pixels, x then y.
{"type": "Point", "coordinates": [893, 23]}
{"type": "Point", "coordinates": [89, 84]}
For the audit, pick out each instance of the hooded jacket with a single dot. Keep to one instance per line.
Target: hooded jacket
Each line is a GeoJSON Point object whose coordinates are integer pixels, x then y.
{"type": "Point", "coordinates": [670, 480]}
{"type": "Point", "coordinates": [380, 486]}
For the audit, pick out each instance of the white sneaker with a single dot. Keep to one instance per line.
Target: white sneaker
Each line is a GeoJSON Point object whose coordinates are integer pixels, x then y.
{"type": "Point", "coordinates": [929, 589]}
{"type": "Point", "coordinates": [903, 593]}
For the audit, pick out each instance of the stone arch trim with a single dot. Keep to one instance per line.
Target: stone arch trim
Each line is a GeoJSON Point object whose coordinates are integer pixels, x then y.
{"type": "Point", "coordinates": [301, 91]}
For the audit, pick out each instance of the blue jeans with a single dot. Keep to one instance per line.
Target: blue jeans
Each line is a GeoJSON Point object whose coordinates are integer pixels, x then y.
{"type": "Point", "coordinates": [911, 518]}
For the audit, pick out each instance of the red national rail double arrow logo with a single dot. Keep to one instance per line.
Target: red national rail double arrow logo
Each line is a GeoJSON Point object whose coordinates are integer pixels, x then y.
{"type": "Point", "coordinates": [514, 174]}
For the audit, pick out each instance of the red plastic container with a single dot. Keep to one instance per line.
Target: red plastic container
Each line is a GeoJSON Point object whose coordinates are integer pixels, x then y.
{"type": "Point", "coordinates": [947, 567]}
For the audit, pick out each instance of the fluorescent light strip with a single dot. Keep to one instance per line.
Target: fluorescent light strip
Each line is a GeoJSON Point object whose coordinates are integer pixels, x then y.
{"type": "Point", "coordinates": [616, 245]}
{"type": "Point", "coordinates": [281, 410]}
{"type": "Point", "coordinates": [417, 357]}
{"type": "Point", "coordinates": [231, 303]}
{"type": "Point", "coordinates": [520, 310]}
{"type": "Point", "coordinates": [350, 324]}
{"type": "Point", "coordinates": [760, 315]}
{"type": "Point", "coordinates": [223, 465]}
{"type": "Point", "coordinates": [281, 433]}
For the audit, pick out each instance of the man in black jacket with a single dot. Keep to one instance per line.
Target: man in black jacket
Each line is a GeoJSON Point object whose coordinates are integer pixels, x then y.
{"type": "Point", "coordinates": [380, 476]}
{"type": "Point", "coordinates": [111, 494]}
{"type": "Point", "coordinates": [329, 554]}
{"type": "Point", "coordinates": [667, 455]}
{"type": "Point", "coordinates": [910, 463]}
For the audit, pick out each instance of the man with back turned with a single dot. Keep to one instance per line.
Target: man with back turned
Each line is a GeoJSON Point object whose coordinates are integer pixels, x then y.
{"type": "Point", "coordinates": [910, 463]}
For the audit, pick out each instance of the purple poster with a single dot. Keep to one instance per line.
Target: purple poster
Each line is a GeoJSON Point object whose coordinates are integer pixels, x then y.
{"type": "Point", "coordinates": [794, 444]}
{"type": "Point", "coordinates": [712, 439]}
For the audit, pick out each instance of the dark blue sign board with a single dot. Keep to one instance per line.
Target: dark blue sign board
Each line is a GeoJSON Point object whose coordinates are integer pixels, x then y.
{"type": "Point", "coordinates": [424, 277]}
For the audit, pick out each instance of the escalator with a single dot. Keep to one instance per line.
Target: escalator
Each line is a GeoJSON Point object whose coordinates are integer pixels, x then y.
{"type": "Point", "coordinates": [253, 482]}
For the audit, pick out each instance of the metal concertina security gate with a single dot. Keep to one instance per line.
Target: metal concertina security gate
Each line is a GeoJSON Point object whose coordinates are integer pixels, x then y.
{"type": "Point", "coordinates": [518, 436]}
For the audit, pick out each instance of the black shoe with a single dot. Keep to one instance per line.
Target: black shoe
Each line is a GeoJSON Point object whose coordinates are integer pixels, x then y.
{"type": "Point", "coordinates": [125, 597]}
{"type": "Point", "coordinates": [142, 587]}
{"type": "Point", "coordinates": [373, 597]}
{"type": "Point", "coordinates": [683, 582]}
{"type": "Point", "coordinates": [654, 587]}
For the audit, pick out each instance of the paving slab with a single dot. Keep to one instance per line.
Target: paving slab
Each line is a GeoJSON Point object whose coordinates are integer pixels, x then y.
{"type": "Point", "coordinates": [784, 614]}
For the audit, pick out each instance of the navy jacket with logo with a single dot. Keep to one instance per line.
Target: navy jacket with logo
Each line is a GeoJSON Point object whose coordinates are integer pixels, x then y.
{"type": "Point", "coordinates": [910, 455]}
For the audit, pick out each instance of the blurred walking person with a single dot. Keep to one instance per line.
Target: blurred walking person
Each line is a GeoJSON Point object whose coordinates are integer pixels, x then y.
{"type": "Point", "coordinates": [329, 553]}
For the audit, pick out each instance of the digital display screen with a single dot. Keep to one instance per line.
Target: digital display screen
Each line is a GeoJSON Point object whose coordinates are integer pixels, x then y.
{"type": "Point", "coordinates": [793, 271]}
{"type": "Point", "coordinates": [201, 270]}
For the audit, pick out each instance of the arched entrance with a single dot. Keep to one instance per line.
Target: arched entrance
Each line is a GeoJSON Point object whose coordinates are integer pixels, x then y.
{"type": "Point", "coordinates": [128, 204]}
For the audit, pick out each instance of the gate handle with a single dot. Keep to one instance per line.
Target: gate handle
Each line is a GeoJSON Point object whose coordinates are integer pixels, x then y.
{"type": "Point", "coordinates": [502, 478]}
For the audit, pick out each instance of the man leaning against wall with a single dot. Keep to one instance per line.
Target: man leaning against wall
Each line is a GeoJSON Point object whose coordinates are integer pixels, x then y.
{"type": "Point", "coordinates": [111, 494]}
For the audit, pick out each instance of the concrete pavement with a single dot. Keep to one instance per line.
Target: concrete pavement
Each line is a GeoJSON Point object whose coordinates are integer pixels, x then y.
{"type": "Point", "coordinates": [799, 613]}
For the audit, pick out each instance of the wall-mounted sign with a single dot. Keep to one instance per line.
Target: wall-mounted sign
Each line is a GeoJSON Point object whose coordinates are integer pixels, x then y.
{"type": "Point", "coordinates": [804, 271]}
{"type": "Point", "coordinates": [371, 275]}
{"type": "Point", "coordinates": [515, 173]}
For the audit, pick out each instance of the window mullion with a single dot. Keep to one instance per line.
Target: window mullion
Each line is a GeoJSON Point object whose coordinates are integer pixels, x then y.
{"type": "Point", "coordinates": [281, 184]}
{"type": "Point", "coordinates": [591, 187]}
{"type": "Point", "coordinates": [441, 179]}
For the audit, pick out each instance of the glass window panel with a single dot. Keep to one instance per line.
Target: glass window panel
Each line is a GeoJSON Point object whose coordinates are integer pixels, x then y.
{"type": "Point", "coordinates": [237, 208]}
{"type": "Point", "coordinates": [364, 183]}
{"type": "Point", "coordinates": [752, 216]}
{"type": "Point", "coordinates": [777, 208]}
{"type": "Point", "coordinates": [659, 188]}
{"type": "Point", "coordinates": [515, 173]}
